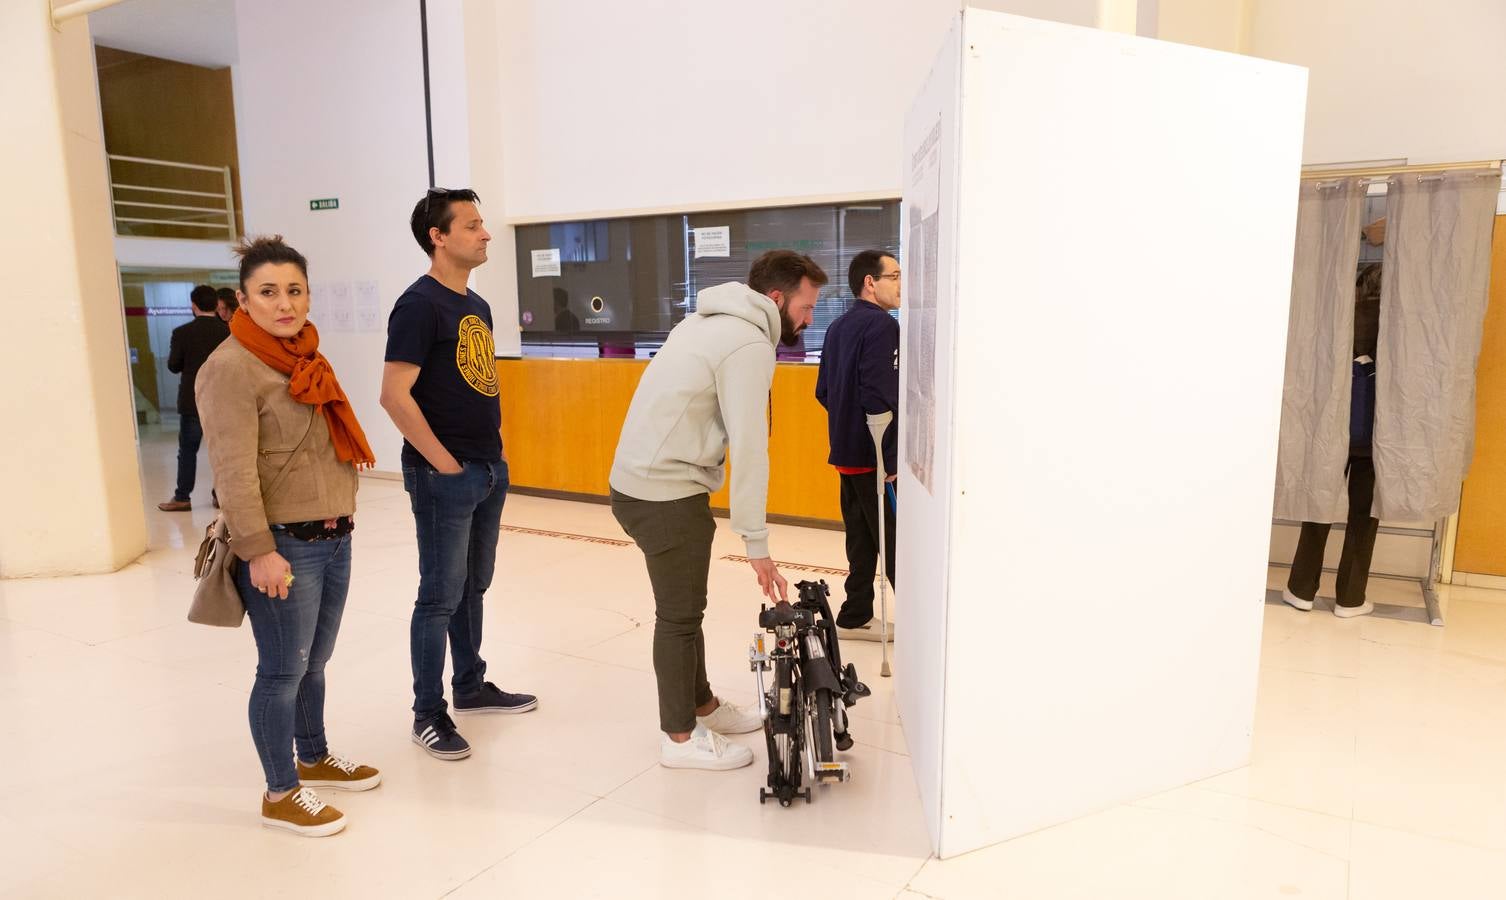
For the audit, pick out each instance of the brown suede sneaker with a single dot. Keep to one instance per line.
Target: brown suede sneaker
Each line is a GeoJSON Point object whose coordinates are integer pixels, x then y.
{"type": "Point", "coordinates": [175, 505]}
{"type": "Point", "coordinates": [338, 773]}
{"type": "Point", "coordinates": [302, 812]}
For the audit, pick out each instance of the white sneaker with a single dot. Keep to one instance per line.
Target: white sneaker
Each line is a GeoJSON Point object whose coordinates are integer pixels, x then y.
{"type": "Point", "coordinates": [705, 750]}
{"type": "Point", "coordinates": [873, 631]}
{"type": "Point", "coordinates": [1349, 612]}
{"type": "Point", "coordinates": [729, 718]}
{"type": "Point", "coordinates": [1294, 601]}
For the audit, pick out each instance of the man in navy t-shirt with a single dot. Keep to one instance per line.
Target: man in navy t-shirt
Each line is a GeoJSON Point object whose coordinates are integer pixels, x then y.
{"type": "Point", "coordinates": [439, 386]}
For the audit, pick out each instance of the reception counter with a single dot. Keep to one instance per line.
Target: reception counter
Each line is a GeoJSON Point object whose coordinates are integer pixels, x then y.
{"type": "Point", "coordinates": [561, 419]}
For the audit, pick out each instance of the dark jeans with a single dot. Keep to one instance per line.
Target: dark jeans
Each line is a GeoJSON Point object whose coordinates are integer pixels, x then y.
{"type": "Point", "coordinates": [675, 537]}
{"type": "Point", "coordinates": [1359, 542]}
{"type": "Point", "coordinates": [458, 519]}
{"type": "Point", "coordinates": [860, 520]}
{"type": "Point", "coordinates": [294, 639]}
{"type": "Point", "coordinates": [190, 435]}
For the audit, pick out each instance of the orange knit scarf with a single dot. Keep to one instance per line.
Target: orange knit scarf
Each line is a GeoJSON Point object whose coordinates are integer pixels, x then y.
{"type": "Point", "coordinates": [311, 381]}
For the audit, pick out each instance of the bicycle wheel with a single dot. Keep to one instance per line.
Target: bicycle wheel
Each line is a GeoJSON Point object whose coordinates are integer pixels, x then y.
{"type": "Point", "coordinates": [821, 726]}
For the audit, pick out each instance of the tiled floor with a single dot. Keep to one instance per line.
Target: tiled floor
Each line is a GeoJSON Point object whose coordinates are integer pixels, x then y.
{"type": "Point", "coordinates": [1379, 762]}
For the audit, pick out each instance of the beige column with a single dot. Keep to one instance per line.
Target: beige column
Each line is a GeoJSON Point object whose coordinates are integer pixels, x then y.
{"type": "Point", "coordinates": [1215, 24]}
{"type": "Point", "coordinates": [1117, 15]}
{"type": "Point", "coordinates": [70, 488]}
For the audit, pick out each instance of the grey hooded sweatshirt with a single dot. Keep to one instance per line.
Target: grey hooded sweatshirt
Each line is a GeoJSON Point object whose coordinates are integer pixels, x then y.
{"type": "Point", "coordinates": [707, 390]}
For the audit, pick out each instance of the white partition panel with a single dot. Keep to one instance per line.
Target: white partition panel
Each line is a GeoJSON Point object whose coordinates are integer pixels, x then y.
{"type": "Point", "coordinates": [925, 414]}
{"type": "Point", "coordinates": [1095, 323]}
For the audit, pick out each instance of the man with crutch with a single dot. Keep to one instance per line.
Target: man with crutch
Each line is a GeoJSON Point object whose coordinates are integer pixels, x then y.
{"type": "Point", "coordinates": [859, 378]}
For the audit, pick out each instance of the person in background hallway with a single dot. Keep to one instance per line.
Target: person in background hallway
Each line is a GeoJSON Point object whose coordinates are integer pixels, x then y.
{"type": "Point", "coordinates": [705, 392]}
{"type": "Point", "coordinates": [1359, 532]}
{"type": "Point", "coordinates": [565, 321]}
{"type": "Point", "coordinates": [191, 344]}
{"type": "Point", "coordinates": [440, 387]}
{"type": "Point", "coordinates": [228, 304]}
{"type": "Point", "coordinates": [859, 375]}
{"type": "Point", "coordinates": [286, 446]}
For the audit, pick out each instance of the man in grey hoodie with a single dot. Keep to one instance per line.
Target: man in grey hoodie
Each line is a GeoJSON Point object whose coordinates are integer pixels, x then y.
{"type": "Point", "coordinates": [705, 392]}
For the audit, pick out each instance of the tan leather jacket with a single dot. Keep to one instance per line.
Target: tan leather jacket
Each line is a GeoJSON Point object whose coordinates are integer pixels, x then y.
{"type": "Point", "coordinates": [252, 425]}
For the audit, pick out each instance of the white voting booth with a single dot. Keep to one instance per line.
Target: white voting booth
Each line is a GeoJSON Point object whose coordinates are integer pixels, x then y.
{"type": "Point", "coordinates": [1098, 257]}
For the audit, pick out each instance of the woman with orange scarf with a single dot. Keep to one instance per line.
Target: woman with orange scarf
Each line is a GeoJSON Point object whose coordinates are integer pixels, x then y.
{"type": "Point", "coordinates": [286, 446]}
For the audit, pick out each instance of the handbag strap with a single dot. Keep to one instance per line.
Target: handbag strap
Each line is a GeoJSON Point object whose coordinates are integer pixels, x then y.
{"type": "Point", "coordinates": [219, 524]}
{"type": "Point", "coordinates": [287, 467]}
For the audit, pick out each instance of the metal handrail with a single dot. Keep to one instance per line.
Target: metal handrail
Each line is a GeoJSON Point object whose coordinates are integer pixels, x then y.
{"type": "Point", "coordinates": [136, 208]}
{"type": "Point", "coordinates": [162, 190]}
{"type": "Point", "coordinates": [177, 223]}
{"type": "Point", "coordinates": [164, 162]}
{"type": "Point", "coordinates": [138, 203]}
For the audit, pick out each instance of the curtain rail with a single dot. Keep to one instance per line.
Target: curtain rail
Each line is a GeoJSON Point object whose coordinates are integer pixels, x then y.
{"type": "Point", "coordinates": [1329, 174]}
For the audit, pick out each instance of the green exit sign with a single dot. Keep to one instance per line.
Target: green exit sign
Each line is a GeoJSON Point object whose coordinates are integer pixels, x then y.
{"type": "Point", "coordinates": [327, 203]}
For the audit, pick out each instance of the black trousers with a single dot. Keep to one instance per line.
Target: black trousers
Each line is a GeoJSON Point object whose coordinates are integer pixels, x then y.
{"type": "Point", "coordinates": [1359, 542]}
{"type": "Point", "coordinates": [190, 436]}
{"type": "Point", "coordinates": [860, 518]}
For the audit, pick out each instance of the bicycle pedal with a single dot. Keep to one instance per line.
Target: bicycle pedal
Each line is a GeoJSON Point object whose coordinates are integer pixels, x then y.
{"type": "Point", "coordinates": [832, 772]}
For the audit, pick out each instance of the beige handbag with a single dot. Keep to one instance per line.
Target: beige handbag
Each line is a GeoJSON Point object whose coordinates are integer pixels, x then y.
{"type": "Point", "coordinates": [216, 598]}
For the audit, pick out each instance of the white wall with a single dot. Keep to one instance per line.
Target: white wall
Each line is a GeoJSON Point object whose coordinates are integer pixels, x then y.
{"type": "Point", "coordinates": [174, 253]}
{"type": "Point", "coordinates": [477, 24]}
{"type": "Point", "coordinates": [663, 104]}
{"type": "Point", "coordinates": [201, 33]}
{"type": "Point", "coordinates": [1393, 79]}
{"type": "Point", "coordinates": [335, 108]}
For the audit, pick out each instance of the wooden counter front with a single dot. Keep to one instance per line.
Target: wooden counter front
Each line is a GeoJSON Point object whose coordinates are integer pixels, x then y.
{"type": "Point", "coordinates": [561, 419]}
{"type": "Point", "coordinates": [1481, 548]}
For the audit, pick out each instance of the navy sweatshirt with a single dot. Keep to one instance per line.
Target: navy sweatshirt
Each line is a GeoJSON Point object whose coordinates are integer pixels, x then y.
{"type": "Point", "coordinates": [860, 375]}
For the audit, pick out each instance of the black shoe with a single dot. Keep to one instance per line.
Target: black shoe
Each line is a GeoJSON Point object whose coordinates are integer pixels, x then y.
{"type": "Point", "coordinates": [438, 736]}
{"type": "Point", "coordinates": [492, 699]}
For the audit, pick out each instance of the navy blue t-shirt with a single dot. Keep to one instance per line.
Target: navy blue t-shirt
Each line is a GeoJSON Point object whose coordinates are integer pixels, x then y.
{"type": "Point", "coordinates": [449, 336]}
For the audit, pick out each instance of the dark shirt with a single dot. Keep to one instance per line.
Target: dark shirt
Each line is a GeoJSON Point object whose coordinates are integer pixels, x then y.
{"type": "Point", "coordinates": [449, 337]}
{"type": "Point", "coordinates": [191, 344]}
{"type": "Point", "coordinates": [860, 375]}
{"type": "Point", "coordinates": [1362, 385]}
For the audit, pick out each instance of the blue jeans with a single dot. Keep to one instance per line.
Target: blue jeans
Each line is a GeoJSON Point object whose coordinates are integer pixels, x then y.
{"type": "Point", "coordinates": [190, 435]}
{"type": "Point", "coordinates": [294, 639]}
{"type": "Point", "coordinates": [458, 518]}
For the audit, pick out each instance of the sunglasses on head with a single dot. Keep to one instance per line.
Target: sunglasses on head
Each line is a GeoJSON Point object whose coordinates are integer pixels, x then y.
{"type": "Point", "coordinates": [447, 193]}
{"type": "Point", "coordinates": [431, 194]}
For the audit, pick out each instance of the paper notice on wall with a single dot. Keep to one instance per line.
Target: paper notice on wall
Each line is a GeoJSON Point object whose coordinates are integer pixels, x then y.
{"type": "Point", "coordinates": [546, 263]}
{"type": "Point", "coordinates": [368, 306]}
{"type": "Point", "coordinates": [923, 217]}
{"type": "Point", "coordinates": [713, 241]}
{"type": "Point", "coordinates": [333, 306]}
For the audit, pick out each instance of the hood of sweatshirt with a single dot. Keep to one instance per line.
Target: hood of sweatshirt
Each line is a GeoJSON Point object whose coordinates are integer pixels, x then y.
{"type": "Point", "coordinates": [737, 299]}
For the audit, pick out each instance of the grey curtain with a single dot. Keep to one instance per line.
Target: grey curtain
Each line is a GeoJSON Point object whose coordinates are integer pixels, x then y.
{"type": "Point", "coordinates": [1314, 444]}
{"type": "Point", "coordinates": [1434, 291]}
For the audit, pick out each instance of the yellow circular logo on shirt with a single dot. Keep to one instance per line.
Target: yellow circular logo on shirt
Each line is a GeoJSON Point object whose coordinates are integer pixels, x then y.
{"type": "Point", "coordinates": [476, 356]}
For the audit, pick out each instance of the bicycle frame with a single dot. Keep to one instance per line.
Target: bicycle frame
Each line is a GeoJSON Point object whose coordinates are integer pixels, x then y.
{"type": "Point", "coordinates": [804, 708]}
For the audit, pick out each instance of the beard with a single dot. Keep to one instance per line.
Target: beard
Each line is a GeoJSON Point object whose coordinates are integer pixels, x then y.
{"type": "Point", "coordinates": [789, 332]}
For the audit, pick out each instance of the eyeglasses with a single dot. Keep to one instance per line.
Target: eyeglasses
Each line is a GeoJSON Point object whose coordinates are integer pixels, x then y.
{"type": "Point", "coordinates": [891, 275]}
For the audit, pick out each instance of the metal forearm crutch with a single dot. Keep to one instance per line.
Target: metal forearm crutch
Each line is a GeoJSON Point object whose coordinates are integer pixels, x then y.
{"type": "Point", "coordinates": [878, 423]}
